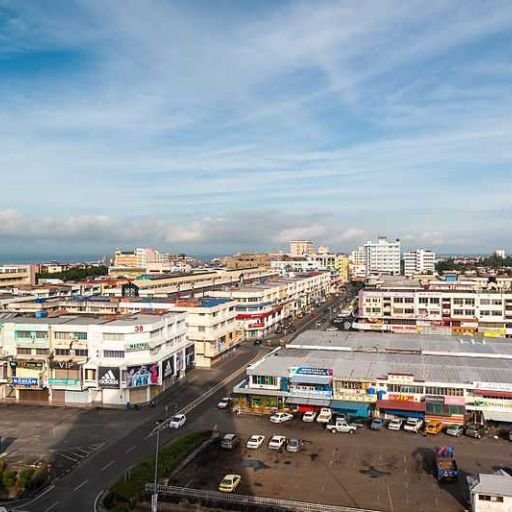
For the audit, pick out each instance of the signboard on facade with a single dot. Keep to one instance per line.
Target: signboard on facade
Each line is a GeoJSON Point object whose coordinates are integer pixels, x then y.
{"type": "Point", "coordinates": [109, 377]}
{"type": "Point", "coordinates": [25, 381]}
{"type": "Point", "coordinates": [137, 346]}
{"type": "Point", "coordinates": [33, 365]}
{"type": "Point", "coordinates": [168, 368]}
{"type": "Point", "coordinates": [310, 393]}
{"type": "Point", "coordinates": [64, 382]}
{"type": "Point", "coordinates": [308, 371]}
{"type": "Point", "coordinates": [64, 365]}
{"type": "Point", "coordinates": [143, 375]}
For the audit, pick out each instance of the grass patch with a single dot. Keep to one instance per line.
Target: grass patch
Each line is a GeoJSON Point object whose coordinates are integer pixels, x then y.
{"type": "Point", "coordinates": [132, 484]}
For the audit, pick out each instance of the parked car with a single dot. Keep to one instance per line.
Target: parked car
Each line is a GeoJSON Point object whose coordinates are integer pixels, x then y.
{"type": "Point", "coordinates": [309, 417]}
{"type": "Point", "coordinates": [224, 403]}
{"type": "Point", "coordinates": [229, 441]}
{"type": "Point", "coordinates": [413, 424]}
{"type": "Point", "coordinates": [229, 483]}
{"type": "Point", "coordinates": [255, 441]}
{"type": "Point", "coordinates": [455, 430]}
{"type": "Point", "coordinates": [293, 445]}
{"type": "Point", "coordinates": [177, 421]}
{"type": "Point", "coordinates": [324, 416]}
{"type": "Point", "coordinates": [473, 430]}
{"type": "Point", "coordinates": [281, 417]}
{"type": "Point", "coordinates": [434, 427]}
{"type": "Point", "coordinates": [341, 425]}
{"type": "Point", "coordinates": [395, 424]}
{"type": "Point", "coordinates": [276, 442]}
{"type": "Point", "coordinates": [377, 424]}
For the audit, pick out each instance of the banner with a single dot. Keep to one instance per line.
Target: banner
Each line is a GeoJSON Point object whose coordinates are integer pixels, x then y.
{"type": "Point", "coordinates": [25, 381]}
{"type": "Point", "coordinates": [64, 365]}
{"type": "Point", "coordinates": [168, 367]}
{"type": "Point", "coordinates": [109, 377]}
{"type": "Point", "coordinates": [304, 370]}
{"type": "Point", "coordinates": [143, 375]}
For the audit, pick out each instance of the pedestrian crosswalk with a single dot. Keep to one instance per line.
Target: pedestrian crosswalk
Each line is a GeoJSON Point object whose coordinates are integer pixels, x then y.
{"type": "Point", "coordinates": [66, 458]}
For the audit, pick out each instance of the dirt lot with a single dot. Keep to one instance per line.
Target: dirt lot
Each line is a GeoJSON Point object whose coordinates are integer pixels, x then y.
{"type": "Point", "coordinates": [390, 471]}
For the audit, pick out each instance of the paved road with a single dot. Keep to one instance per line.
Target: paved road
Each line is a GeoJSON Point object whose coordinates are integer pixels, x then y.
{"type": "Point", "coordinates": [78, 490]}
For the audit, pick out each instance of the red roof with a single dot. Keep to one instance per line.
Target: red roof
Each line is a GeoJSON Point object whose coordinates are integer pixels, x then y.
{"type": "Point", "coordinates": [493, 394]}
{"type": "Point", "coordinates": [401, 405]}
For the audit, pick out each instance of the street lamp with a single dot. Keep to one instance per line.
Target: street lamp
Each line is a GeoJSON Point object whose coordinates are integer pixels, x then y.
{"type": "Point", "coordinates": [154, 497]}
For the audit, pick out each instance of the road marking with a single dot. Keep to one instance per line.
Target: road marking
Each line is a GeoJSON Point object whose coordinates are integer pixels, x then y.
{"type": "Point", "coordinates": [80, 485]}
{"type": "Point", "coordinates": [46, 491]}
{"type": "Point", "coordinates": [51, 507]}
{"type": "Point", "coordinates": [67, 457]}
{"type": "Point", "coordinates": [390, 500]}
{"type": "Point", "coordinates": [131, 448]}
{"type": "Point", "coordinates": [107, 466]}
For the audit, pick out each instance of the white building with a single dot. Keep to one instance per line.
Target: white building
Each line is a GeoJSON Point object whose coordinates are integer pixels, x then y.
{"type": "Point", "coordinates": [500, 253]}
{"type": "Point", "coordinates": [301, 248]}
{"type": "Point", "coordinates": [490, 493]}
{"type": "Point", "coordinates": [420, 261]}
{"type": "Point", "coordinates": [92, 361]}
{"type": "Point", "coordinates": [382, 257]}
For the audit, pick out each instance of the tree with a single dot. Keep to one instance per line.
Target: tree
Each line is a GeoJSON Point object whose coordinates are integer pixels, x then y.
{"type": "Point", "coordinates": [9, 479]}
{"type": "Point", "coordinates": [76, 274]}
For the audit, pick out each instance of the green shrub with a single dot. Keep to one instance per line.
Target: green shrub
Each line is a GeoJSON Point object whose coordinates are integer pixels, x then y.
{"type": "Point", "coordinates": [25, 477]}
{"type": "Point", "coordinates": [9, 479]}
{"type": "Point", "coordinates": [132, 484]}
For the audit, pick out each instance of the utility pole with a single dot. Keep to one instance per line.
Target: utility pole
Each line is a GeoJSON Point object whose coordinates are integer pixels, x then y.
{"type": "Point", "coordinates": [154, 497]}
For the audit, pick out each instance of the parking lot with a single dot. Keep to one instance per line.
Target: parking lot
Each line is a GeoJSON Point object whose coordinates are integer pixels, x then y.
{"type": "Point", "coordinates": [58, 435]}
{"type": "Point", "coordinates": [381, 470]}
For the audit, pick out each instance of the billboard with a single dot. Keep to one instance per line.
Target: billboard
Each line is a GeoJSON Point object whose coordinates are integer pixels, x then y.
{"type": "Point", "coordinates": [25, 381]}
{"type": "Point", "coordinates": [306, 370]}
{"type": "Point", "coordinates": [168, 367]}
{"type": "Point", "coordinates": [143, 375]}
{"type": "Point", "coordinates": [109, 377]}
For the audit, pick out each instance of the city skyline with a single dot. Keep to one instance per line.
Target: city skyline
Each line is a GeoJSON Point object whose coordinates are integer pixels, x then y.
{"type": "Point", "coordinates": [209, 131]}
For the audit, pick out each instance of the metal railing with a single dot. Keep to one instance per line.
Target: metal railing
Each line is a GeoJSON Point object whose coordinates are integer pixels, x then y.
{"type": "Point", "coordinates": [239, 499]}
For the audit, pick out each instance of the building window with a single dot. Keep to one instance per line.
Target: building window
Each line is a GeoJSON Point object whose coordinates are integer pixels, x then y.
{"type": "Point", "coordinates": [264, 380]}
{"type": "Point", "coordinates": [24, 351]}
{"type": "Point", "coordinates": [81, 352]}
{"type": "Point", "coordinates": [486, 497]}
{"type": "Point", "coordinates": [90, 374]}
{"type": "Point", "coordinates": [113, 336]}
{"type": "Point", "coordinates": [82, 336]}
{"type": "Point", "coordinates": [201, 328]}
{"type": "Point", "coordinates": [113, 353]}
{"type": "Point", "coordinates": [41, 351]}
{"type": "Point", "coordinates": [62, 351]}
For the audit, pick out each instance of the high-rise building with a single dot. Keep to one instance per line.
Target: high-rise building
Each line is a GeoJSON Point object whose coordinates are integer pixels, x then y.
{"type": "Point", "coordinates": [420, 261]}
{"type": "Point", "coordinates": [382, 256]}
{"type": "Point", "coordinates": [301, 248]}
{"type": "Point", "coordinates": [500, 253]}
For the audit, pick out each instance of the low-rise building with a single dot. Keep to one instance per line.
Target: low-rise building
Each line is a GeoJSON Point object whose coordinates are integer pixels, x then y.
{"type": "Point", "coordinates": [92, 360]}
{"type": "Point", "coordinates": [364, 374]}
{"type": "Point", "coordinates": [16, 275]}
{"type": "Point", "coordinates": [490, 493]}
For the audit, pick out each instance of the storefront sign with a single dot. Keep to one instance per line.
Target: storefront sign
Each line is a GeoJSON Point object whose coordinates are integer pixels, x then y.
{"type": "Point", "coordinates": [402, 397]}
{"type": "Point", "coordinates": [305, 370]}
{"type": "Point", "coordinates": [25, 381]}
{"type": "Point", "coordinates": [311, 393]}
{"type": "Point", "coordinates": [33, 365]}
{"type": "Point", "coordinates": [143, 375]}
{"type": "Point", "coordinates": [64, 382]}
{"type": "Point", "coordinates": [168, 368]}
{"type": "Point", "coordinates": [64, 365]}
{"type": "Point", "coordinates": [137, 347]}
{"type": "Point", "coordinates": [109, 377]}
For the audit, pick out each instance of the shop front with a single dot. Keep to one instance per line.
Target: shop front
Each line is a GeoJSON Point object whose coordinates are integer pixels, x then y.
{"type": "Point", "coordinates": [139, 380]}
{"type": "Point", "coordinates": [355, 409]}
{"type": "Point", "coordinates": [309, 388]}
{"type": "Point", "coordinates": [402, 408]}
{"type": "Point", "coordinates": [302, 405]}
{"type": "Point", "coordinates": [450, 410]}
{"type": "Point", "coordinates": [27, 381]}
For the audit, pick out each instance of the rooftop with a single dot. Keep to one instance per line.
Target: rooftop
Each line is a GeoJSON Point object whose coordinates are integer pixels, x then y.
{"type": "Point", "coordinates": [493, 485]}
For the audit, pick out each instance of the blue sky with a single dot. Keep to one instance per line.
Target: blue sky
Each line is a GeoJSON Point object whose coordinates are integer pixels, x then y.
{"type": "Point", "coordinates": [211, 127]}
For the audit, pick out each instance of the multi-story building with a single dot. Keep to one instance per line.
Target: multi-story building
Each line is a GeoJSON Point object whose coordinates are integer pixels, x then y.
{"type": "Point", "coordinates": [452, 307]}
{"type": "Point", "coordinates": [16, 275]}
{"type": "Point", "coordinates": [363, 374]}
{"type": "Point", "coordinates": [243, 260]}
{"type": "Point", "coordinates": [336, 263]}
{"type": "Point", "coordinates": [92, 360]}
{"type": "Point", "coordinates": [420, 261]}
{"type": "Point", "coordinates": [262, 307]}
{"type": "Point", "coordinates": [382, 256]}
{"type": "Point", "coordinates": [302, 248]}
{"type": "Point", "coordinates": [146, 261]}
{"type": "Point", "coordinates": [500, 253]}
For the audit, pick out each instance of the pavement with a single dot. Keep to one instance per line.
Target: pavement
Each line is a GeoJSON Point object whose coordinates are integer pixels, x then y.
{"type": "Point", "coordinates": [385, 470]}
{"type": "Point", "coordinates": [79, 489]}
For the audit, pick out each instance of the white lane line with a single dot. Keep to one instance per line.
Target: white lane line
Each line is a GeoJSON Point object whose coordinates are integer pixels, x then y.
{"type": "Point", "coordinates": [67, 457]}
{"type": "Point", "coordinates": [51, 507]}
{"type": "Point", "coordinates": [46, 491]}
{"type": "Point", "coordinates": [80, 485]}
{"type": "Point", "coordinates": [131, 448]}
{"type": "Point", "coordinates": [107, 465]}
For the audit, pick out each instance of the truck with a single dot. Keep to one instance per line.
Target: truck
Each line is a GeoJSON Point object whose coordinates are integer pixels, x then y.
{"type": "Point", "coordinates": [340, 425]}
{"type": "Point", "coordinates": [446, 465]}
{"type": "Point", "coordinates": [324, 416]}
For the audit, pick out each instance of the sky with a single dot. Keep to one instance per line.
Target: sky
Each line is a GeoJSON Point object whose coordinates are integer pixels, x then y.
{"type": "Point", "coordinates": [236, 125]}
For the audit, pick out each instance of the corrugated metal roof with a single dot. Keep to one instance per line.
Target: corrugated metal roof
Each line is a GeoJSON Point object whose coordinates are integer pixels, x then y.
{"type": "Point", "coordinates": [493, 485]}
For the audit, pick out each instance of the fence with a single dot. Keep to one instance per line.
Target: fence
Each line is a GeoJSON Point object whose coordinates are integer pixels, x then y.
{"type": "Point", "coordinates": [238, 499]}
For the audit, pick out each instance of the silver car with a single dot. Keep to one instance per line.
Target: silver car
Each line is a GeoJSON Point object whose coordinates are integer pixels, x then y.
{"type": "Point", "coordinates": [455, 430]}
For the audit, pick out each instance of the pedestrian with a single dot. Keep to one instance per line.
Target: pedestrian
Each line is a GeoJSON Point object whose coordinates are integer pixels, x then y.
{"type": "Point", "coordinates": [166, 408]}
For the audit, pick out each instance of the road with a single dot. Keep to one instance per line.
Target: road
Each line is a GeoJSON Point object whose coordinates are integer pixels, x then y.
{"type": "Point", "coordinates": [78, 490]}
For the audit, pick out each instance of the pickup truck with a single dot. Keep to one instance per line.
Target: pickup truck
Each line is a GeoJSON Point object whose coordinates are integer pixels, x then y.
{"type": "Point", "coordinates": [340, 425]}
{"type": "Point", "coordinates": [324, 416]}
{"type": "Point", "coordinates": [446, 466]}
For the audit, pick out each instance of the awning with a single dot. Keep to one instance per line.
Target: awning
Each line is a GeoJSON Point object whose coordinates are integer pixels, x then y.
{"type": "Point", "coordinates": [493, 394]}
{"type": "Point", "coordinates": [360, 409]}
{"type": "Point", "coordinates": [311, 379]}
{"type": "Point", "coordinates": [319, 402]}
{"type": "Point", "coordinates": [401, 405]}
{"type": "Point", "coordinates": [505, 416]}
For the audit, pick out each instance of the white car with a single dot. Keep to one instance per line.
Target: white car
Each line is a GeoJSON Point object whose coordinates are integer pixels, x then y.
{"type": "Point", "coordinates": [177, 421]}
{"type": "Point", "coordinates": [309, 417]}
{"type": "Point", "coordinates": [224, 403]}
{"type": "Point", "coordinates": [281, 417]}
{"type": "Point", "coordinates": [324, 416]}
{"type": "Point", "coordinates": [413, 424]}
{"type": "Point", "coordinates": [395, 424]}
{"type": "Point", "coordinates": [255, 441]}
{"type": "Point", "coordinates": [277, 442]}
